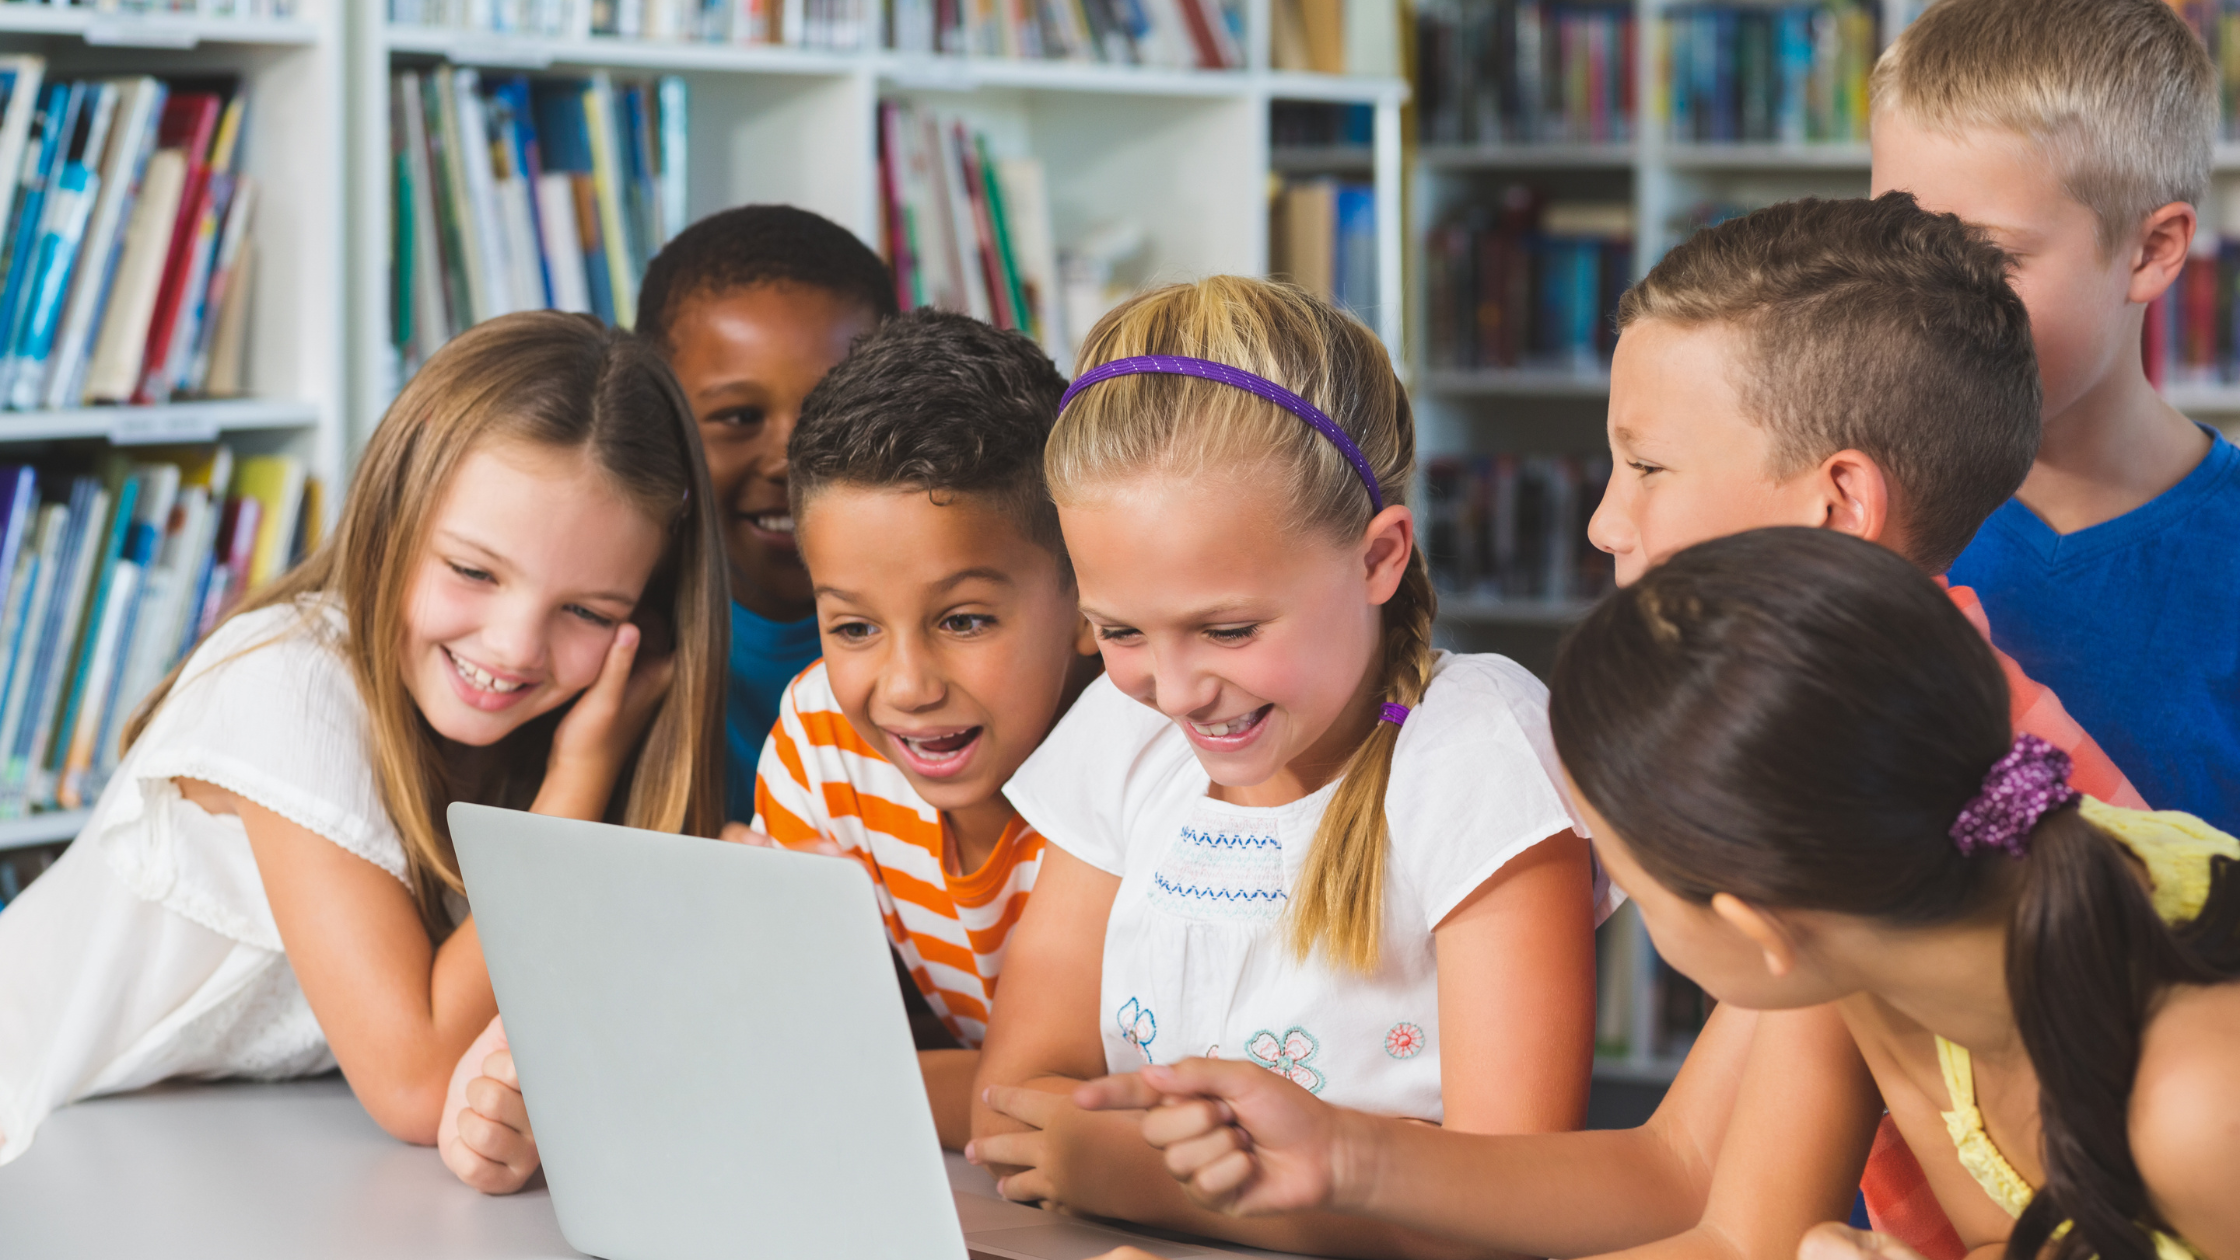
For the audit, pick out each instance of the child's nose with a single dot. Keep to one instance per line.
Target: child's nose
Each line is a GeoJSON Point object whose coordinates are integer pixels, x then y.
{"type": "Point", "coordinates": [910, 681]}
{"type": "Point", "coordinates": [1608, 528]}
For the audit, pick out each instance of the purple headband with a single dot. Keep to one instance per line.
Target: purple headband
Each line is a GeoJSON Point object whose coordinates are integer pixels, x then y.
{"type": "Point", "coordinates": [2031, 781]}
{"type": "Point", "coordinates": [1206, 369]}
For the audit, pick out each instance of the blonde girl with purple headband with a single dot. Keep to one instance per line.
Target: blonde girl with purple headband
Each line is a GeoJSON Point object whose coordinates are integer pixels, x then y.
{"type": "Point", "coordinates": [1797, 758]}
{"type": "Point", "coordinates": [1284, 829]}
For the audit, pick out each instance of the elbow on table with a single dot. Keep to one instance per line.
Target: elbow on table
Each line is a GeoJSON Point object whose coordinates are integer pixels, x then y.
{"type": "Point", "coordinates": [408, 1111]}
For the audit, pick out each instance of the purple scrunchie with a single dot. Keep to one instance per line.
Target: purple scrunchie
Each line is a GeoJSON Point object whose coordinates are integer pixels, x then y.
{"type": "Point", "coordinates": [2031, 781]}
{"type": "Point", "coordinates": [1393, 713]}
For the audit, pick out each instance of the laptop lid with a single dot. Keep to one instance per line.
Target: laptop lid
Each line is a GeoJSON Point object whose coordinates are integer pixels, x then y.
{"type": "Point", "coordinates": [710, 1042]}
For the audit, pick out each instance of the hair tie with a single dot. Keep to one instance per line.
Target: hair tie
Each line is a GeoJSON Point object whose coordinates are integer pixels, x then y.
{"type": "Point", "coordinates": [1206, 369]}
{"type": "Point", "coordinates": [1397, 714]}
{"type": "Point", "coordinates": [2031, 781]}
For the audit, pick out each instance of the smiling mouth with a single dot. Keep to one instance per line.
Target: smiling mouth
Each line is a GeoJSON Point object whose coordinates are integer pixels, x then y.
{"type": "Point", "coordinates": [479, 678]}
{"type": "Point", "coordinates": [941, 748]}
{"type": "Point", "coordinates": [773, 523]}
{"type": "Point", "coordinates": [1234, 726]}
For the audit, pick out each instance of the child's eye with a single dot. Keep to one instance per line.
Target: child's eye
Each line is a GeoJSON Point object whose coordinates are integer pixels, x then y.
{"type": "Point", "coordinates": [851, 631]}
{"type": "Point", "coordinates": [584, 614]}
{"type": "Point", "coordinates": [967, 623]}
{"type": "Point", "coordinates": [1232, 634]}
{"type": "Point", "coordinates": [469, 573]}
{"type": "Point", "coordinates": [743, 419]}
{"type": "Point", "coordinates": [1642, 468]}
{"type": "Point", "coordinates": [1117, 634]}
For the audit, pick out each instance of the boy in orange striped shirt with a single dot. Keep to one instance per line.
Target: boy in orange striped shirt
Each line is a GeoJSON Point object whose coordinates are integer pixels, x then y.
{"type": "Point", "coordinates": [952, 644]}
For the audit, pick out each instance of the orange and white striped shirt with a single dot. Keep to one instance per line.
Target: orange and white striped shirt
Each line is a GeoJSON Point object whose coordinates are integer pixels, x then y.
{"type": "Point", "coordinates": [819, 778]}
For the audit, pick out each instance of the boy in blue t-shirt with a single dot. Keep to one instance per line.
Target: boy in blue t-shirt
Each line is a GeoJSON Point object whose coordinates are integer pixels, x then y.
{"type": "Point", "coordinates": [2079, 132]}
{"type": "Point", "coordinates": [752, 306]}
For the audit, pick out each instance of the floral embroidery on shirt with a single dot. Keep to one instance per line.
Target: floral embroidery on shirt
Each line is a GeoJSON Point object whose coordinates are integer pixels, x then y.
{"type": "Point", "coordinates": [1405, 1041]}
{"type": "Point", "coordinates": [1288, 1056]}
{"type": "Point", "coordinates": [1138, 1027]}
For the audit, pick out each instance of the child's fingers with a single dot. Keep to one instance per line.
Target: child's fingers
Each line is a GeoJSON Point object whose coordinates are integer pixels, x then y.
{"type": "Point", "coordinates": [1185, 1119]}
{"type": "Point", "coordinates": [1037, 1107]}
{"type": "Point", "coordinates": [477, 1170]}
{"type": "Point", "coordinates": [1018, 1150]}
{"type": "Point", "coordinates": [499, 1067]}
{"type": "Point", "coordinates": [1217, 1184]}
{"type": "Point", "coordinates": [1185, 1159]}
{"type": "Point", "coordinates": [498, 1102]}
{"type": "Point", "coordinates": [1128, 1091]}
{"type": "Point", "coordinates": [1833, 1241]}
{"type": "Point", "coordinates": [1031, 1186]}
{"type": "Point", "coordinates": [740, 833]}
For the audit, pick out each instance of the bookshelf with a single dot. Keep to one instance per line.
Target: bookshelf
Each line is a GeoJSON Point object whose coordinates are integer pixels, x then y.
{"type": "Point", "coordinates": [291, 399]}
{"type": "Point", "coordinates": [1181, 157]}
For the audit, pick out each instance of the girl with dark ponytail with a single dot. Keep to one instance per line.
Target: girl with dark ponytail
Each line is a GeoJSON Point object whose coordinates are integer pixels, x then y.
{"type": "Point", "coordinates": [1283, 829]}
{"type": "Point", "coordinates": [1796, 758]}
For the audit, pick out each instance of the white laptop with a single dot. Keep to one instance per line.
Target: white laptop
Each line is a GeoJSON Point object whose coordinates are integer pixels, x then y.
{"type": "Point", "coordinates": [716, 1057]}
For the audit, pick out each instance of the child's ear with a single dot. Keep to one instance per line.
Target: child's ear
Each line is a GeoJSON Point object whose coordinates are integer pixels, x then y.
{"type": "Point", "coordinates": [1769, 934]}
{"type": "Point", "coordinates": [1390, 544]}
{"type": "Point", "coordinates": [1855, 496]}
{"type": "Point", "coordinates": [1084, 638]}
{"type": "Point", "coordinates": [2164, 241]}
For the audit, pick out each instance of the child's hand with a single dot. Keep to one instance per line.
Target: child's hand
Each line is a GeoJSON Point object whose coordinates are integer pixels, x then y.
{"type": "Point", "coordinates": [595, 738]}
{"type": "Point", "coordinates": [1239, 1138]}
{"type": "Point", "coordinates": [1033, 1152]}
{"type": "Point", "coordinates": [1831, 1241]}
{"type": "Point", "coordinates": [484, 1136]}
{"type": "Point", "coordinates": [740, 833]}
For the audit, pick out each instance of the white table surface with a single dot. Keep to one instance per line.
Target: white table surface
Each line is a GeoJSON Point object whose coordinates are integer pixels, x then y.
{"type": "Point", "coordinates": [291, 1171]}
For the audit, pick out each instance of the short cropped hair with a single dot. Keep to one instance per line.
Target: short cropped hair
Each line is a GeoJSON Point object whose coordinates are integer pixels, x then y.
{"type": "Point", "coordinates": [2119, 94]}
{"type": "Point", "coordinates": [750, 245]}
{"type": "Point", "coordinates": [938, 402]}
{"type": "Point", "coordinates": [1873, 326]}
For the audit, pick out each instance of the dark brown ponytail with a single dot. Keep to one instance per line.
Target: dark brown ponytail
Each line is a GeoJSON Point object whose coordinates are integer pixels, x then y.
{"type": "Point", "coordinates": [1796, 717]}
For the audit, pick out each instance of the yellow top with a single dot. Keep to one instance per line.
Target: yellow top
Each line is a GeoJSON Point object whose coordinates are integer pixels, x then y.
{"type": "Point", "coordinates": [2176, 849]}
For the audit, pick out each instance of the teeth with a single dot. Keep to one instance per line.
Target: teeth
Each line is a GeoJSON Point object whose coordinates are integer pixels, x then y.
{"type": "Point", "coordinates": [775, 524]}
{"type": "Point", "coordinates": [478, 677]}
{"type": "Point", "coordinates": [1234, 726]}
{"type": "Point", "coordinates": [924, 753]}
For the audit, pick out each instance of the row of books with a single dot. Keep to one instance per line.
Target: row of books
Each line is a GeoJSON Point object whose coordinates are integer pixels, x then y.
{"type": "Point", "coordinates": [18, 867]}
{"type": "Point", "coordinates": [1795, 74]}
{"type": "Point", "coordinates": [835, 24]}
{"type": "Point", "coordinates": [170, 8]}
{"type": "Point", "coordinates": [1526, 72]}
{"type": "Point", "coordinates": [2192, 337]}
{"type": "Point", "coordinates": [1322, 236]}
{"type": "Point", "coordinates": [964, 229]}
{"type": "Point", "coordinates": [1357, 37]}
{"type": "Point", "coordinates": [1644, 1010]}
{"type": "Point", "coordinates": [1514, 527]}
{"type": "Point", "coordinates": [124, 257]}
{"type": "Point", "coordinates": [113, 574]}
{"type": "Point", "coordinates": [1320, 125]}
{"type": "Point", "coordinates": [1527, 283]}
{"type": "Point", "coordinates": [1179, 34]}
{"type": "Point", "coordinates": [517, 194]}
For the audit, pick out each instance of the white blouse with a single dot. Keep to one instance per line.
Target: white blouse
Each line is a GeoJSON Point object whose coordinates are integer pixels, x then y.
{"type": "Point", "coordinates": [149, 951]}
{"type": "Point", "coordinates": [1195, 958]}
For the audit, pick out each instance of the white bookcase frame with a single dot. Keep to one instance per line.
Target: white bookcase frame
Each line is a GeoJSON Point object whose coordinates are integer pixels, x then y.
{"type": "Point", "coordinates": [1182, 153]}
{"type": "Point", "coordinates": [292, 69]}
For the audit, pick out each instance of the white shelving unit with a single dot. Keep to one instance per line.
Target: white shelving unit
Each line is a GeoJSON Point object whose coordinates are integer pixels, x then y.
{"type": "Point", "coordinates": [1183, 154]}
{"type": "Point", "coordinates": [292, 70]}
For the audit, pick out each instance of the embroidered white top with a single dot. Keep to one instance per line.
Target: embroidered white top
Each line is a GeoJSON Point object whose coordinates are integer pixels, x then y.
{"type": "Point", "coordinates": [149, 951]}
{"type": "Point", "coordinates": [1195, 962]}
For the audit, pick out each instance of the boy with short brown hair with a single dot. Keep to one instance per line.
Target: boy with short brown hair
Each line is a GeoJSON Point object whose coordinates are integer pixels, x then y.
{"type": "Point", "coordinates": [2079, 135]}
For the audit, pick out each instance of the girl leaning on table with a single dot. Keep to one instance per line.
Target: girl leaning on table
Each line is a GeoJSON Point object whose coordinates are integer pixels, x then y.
{"type": "Point", "coordinates": [523, 605]}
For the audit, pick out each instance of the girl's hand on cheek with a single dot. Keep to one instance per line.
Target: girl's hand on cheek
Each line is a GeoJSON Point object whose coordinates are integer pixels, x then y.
{"type": "Point", "coordinates": [592, 742]}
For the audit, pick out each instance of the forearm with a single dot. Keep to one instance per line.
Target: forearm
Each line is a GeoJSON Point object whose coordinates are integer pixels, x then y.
{"type": "Point", "coordinates": [403, 1081]}
{"type": "Point", "coordinates": [1553, 1194]}
{"type": "Point", "coordinates": [948, 1075]}
{"type": "Point", "coordinates": [575, 791]}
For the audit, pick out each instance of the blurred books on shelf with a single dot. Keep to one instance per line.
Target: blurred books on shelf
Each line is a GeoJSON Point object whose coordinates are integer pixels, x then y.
{"type": "Point", "coordinates": [1794, 74]}
{"type": "Point", "coordinates": [2192, 337]}
{"type": "Point", "coordinates": [515, 194]}
{"type": "Point", "coordinates": [1527, 282]}
{"type": "Point", "coordinates": [125, 255]}
{"type": "Point", "coordinates": [833, 24]}
{"type": "Point", "coordinates": [2217, 22]}
{"type": "Point", "coordinates": [1526, 72]}
{"type": "Point", "coordinates": [1514, 527]}
{"type": "Point", "coordinates": [1647, 1015]}
{"type": "Point", "coordinates": [1357, 37]}
{"type": "Point", "coordinates": [1302, 125]}
{"type": "Point", "coordinates": [114, 570]}
{"type": "Point", "coordinates": [965, 230]}
{"type": "Point", "coordinates": [1176, 34]}
{"type": "Point", "coordinates": [169, 8]}
{"type": "Point", "coordinates": [1322, 236]}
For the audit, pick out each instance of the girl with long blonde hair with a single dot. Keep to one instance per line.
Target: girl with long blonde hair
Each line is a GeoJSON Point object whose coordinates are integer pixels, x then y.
{"type": "Point", "coordinates": [1283, 828]}
{"type": "Point", "coordinates": [522, 605]}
